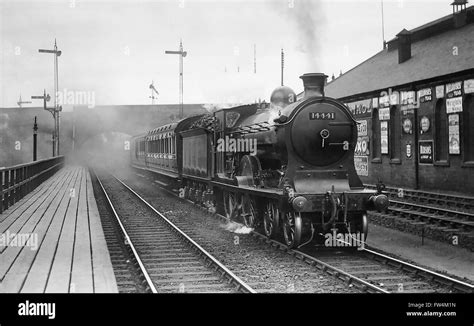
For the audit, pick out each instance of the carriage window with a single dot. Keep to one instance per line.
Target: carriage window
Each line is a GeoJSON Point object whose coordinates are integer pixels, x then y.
{"type": "Point", "coordinates": [468, 124]}
{"type": "Point", "coordinates": [441, 132]}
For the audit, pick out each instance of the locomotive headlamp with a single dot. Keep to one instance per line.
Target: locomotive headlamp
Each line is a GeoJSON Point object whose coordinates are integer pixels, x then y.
{"type": "Point", "coordinates": [299, 203]}
{"type": "Point", "coordinates": [380, 202]}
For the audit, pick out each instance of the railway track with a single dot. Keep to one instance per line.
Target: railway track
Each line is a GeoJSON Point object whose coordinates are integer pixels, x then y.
{"type": "Point", "coordinates": [444, 216]}
{"type": "Point", "coordinates": [384, 273]}
{"type": "Point", "coordinates": [126, 269]}
{"type": "Point", "coordinates": [368, 270]}
{"type": "Point", "coordinates": [456, 220]}
{"type": "Point", "coordinates": [451, 202]}
{"type": "Point", "coordinates": [168, 260]}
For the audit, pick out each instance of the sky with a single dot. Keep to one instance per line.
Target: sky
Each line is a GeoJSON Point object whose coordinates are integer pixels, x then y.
{"type": "Point", "coordinates": [113, 50]}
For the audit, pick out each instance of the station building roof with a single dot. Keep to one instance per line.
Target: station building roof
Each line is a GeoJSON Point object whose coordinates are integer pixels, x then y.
{"type": "Point", "coordinates": [437, 48]}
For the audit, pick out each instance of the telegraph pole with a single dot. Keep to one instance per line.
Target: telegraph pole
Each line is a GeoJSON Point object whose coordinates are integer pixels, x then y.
{"type": "Point", "coordinates": [45, 99]}
{"type": "Point", "coordinates": [56, 107]}
{"type": "Point", "coordinates": [35, 140]}
{"type": "Point", "coordinates": [383, 27]}
{"type": "Point", "coordinates": [181, 54]}
{"type": "Point", "coordinates": [282, 65]}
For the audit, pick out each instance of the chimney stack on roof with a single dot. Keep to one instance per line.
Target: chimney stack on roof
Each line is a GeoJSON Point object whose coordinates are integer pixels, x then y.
{"type": "Point", "coordinates": [404, 46]}
{"type": "Point", "coordinates": [459, 13]}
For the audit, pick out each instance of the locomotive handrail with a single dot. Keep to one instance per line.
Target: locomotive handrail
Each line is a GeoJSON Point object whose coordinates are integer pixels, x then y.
{"type": "Point", "coordinates": [308, 101]}
{"type": "Point", "coordinates": [19, 180]}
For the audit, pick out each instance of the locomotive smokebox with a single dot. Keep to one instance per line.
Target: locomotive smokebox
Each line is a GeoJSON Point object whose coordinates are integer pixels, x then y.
{"type": "Point", "coordinates": [313, 84]}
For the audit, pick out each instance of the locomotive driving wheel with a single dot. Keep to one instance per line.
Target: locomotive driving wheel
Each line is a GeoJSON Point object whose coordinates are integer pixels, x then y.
{"type": "Point", "coordinates": [231, 205]}
{"type": "Point", "coordinates": [248, 211]}
{"type": "Point", "coordinates": [292, 229]}
{"type": "Point", "coordinates": [271, 219]}
{"type": "Point", "coordinates": [359, 224]}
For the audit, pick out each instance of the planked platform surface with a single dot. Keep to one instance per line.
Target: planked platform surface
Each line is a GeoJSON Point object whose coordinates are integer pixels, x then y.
{"type": "Point", "coordinates": [52, 240]}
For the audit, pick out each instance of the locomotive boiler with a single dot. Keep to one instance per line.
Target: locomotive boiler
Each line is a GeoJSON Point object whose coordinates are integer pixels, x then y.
{"type": "Point", "coordinates": [286, 168]}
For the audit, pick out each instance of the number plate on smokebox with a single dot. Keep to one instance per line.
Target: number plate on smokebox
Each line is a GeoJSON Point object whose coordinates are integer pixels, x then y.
{"type": "Point", "coordinates": [322, 116]}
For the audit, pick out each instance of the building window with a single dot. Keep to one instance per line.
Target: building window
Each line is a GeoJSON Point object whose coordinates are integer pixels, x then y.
{"type": "Point", "coordinates": [375, 134]}
{"type": "Point", "coordinates": [441, 132]}
{"type": "Point", "coordinates": [394, 135]}
{"type": "Point", "coordinates": [468, 129]}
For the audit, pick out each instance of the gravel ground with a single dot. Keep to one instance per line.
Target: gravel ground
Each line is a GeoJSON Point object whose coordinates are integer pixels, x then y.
{"type": "Point", "coordinates": [264, 269]}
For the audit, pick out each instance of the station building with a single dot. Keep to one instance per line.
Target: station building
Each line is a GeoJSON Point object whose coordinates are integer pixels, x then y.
{"type": "Point", "coordinates": [414, 102]}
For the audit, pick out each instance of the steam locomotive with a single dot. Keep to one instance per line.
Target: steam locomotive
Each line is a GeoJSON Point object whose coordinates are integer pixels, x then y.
{"type": "Point", "coordinates": [286, 168]}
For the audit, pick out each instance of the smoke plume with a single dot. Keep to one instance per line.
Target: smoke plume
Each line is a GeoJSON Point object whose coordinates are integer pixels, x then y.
{"type": "Point", "coordinates": [307, 17]}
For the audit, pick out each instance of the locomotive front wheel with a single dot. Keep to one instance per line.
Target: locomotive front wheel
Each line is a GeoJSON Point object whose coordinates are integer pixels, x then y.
{"type": "Point", "coordinates": [292, 229]}
{"type": "Point", "coordinates": [249, 212]}
{"type": "Point", "coordinates": [271, 220]}
{"type": "Point", "coordinates": [365, 226]}
{"type": "Point", "coordinates": [359, 224]}
{"type": "Point", "coordinates": [231, 205]}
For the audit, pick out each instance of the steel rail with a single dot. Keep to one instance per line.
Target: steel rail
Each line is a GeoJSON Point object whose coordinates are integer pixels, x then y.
{"type": "Point", "coordinates": [432, 208]}
{"type": "Point", "coordinates": [308, 259]}
{"type": "Point", "coordinates": [366, 286]}
{"type": "Point", "coordinates": [460, 285]}
{"type": "Point", "coordinates": [128, 242]}
{"type": "Point", "coordinates": [242, 286]}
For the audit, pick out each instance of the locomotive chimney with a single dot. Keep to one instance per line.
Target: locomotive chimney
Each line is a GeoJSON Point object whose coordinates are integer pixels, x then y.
{"type": "Point", "coordinates": [313, 84]}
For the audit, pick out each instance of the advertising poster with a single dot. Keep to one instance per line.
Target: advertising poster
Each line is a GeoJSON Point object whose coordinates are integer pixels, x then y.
{"type": "Point", "coordinates": [424, 95]}
{"type": "Point", "coordinates": [362, 128]}
{"type": "Point", "coordinates": [384, 114]}
{"type": "Point", "coordinates": [454, 142]}
{"type": "Point", "coordinates": [454, 105]}
{"type": "Point", "coordinates": [362, 146]}
{"type": "Point", "coordinates": [426, 152]}
{"type": "Point", "coordinates": [454, 90]}
{"type": "Point", "coordinates": [440, 91]}
{"type": "Point", "coordinates": [384, 101]}
{"type": "Point", "coordinates": [384, 137]}
{"type": "Point", "coordinates": [469, 86]}
{"type": "Point", "coordinates": [362, 165]}
{"type": "Point", "coordinates": [361, 108]}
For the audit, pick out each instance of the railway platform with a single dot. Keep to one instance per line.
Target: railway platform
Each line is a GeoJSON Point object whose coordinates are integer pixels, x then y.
{"type": "Point", "coordinates": [431, 254]}
{"type": "Point", "coordinates": [52, 241]}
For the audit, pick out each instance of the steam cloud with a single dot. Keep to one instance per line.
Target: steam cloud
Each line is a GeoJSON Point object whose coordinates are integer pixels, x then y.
{"type": "Point", "coordinates": [237, 228]}
{"type": "Point", "coordinates": [308, 18]}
